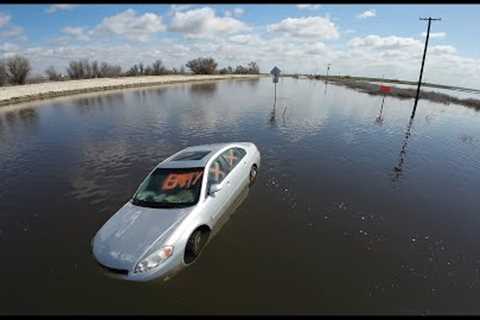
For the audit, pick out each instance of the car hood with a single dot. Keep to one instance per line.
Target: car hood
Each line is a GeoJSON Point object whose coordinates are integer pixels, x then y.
{"type": "Point", "coordinates": [131, 231]}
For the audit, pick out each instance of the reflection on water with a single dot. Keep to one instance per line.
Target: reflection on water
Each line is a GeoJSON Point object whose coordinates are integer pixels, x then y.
{"type": "Point", "coordinates": [207, 89]}
{"type": "Point", "coordinates": [398, 169]}
{"type": "Point", "coordinates": [253, 83]}
{"type": "Point", "coordinates": [273, 116]}
{"type": "Point", "coordinates": [379, 119]}
{"type": "Point", "coordinates": [230, 211]}
{"type": "Point", "coordinates": [98, 101]}
{"type": "Point", "coordinates": [324, 197]}
{"type": "Point", "coordinates": [27, 117]}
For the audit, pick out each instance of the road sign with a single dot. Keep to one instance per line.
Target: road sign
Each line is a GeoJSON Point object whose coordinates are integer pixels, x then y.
{"type": "Point", "coordinates": [275, 73]}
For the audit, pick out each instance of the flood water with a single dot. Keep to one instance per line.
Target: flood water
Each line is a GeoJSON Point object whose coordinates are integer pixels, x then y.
{"type": "Point", "coordinates": [356, 210]}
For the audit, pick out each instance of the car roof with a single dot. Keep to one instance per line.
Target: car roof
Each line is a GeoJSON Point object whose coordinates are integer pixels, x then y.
{"type": "Point", "coordinates": [195, 156]}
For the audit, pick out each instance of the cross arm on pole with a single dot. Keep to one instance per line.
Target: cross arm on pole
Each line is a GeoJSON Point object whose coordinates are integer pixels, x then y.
{"type": "Point", "coordinates": [431, 19]}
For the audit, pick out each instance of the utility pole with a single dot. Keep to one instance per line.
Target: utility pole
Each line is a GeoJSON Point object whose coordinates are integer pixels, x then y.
{"type": "Point", "coordinates": [328, 68]}
{"type": "Point", "coordinates": [429, 19]}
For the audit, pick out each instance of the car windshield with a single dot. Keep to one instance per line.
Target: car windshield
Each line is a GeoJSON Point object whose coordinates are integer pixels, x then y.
{"type": "Point", "coordinates": [170, 188]}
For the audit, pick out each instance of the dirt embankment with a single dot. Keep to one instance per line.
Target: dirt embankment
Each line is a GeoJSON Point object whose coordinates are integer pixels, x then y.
{"type": "Point", "coordinates": [39, 91]}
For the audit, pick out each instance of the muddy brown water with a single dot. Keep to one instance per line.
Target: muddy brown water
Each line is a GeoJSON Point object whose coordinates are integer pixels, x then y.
{"type": "Point", "coordinates": [355, 211]}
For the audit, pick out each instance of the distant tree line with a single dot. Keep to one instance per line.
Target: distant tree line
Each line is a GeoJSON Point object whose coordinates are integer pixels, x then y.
{"type": "Point", "coordinates": [16, 69]}
{"type": "Point", "coordinates": [251, 68]}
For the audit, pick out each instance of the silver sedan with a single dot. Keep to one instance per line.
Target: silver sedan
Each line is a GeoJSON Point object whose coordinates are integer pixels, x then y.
{"type": "Point", "coordinates": [175, 211]}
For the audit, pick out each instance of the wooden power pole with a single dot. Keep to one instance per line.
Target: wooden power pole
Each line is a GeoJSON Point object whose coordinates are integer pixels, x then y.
{"type": "Point", "coordinates": [429, 19]}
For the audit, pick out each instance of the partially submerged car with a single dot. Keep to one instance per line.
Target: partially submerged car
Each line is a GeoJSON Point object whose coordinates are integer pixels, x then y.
{"type": "Point", "coordinates": [175, 210]}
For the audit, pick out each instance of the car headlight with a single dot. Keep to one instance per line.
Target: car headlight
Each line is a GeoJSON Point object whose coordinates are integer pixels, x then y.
{"type": "Point", "coordinates": [154, 260]}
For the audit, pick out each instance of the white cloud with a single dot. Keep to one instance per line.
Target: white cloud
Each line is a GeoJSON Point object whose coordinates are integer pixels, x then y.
{"type": "Point", "coordinates": [244, 39]}
{"type": "Point", "coordinates": [435, 34]}
{"type": "Point", "coordinates": [308, 6]}
{"type": "Point", "coordinates": [390, 42]}
{"type": "Point", "coordinates": [131, 25]}
{"type": "Point", "coordinates": [204, 22]}
{"type": "Point", "coordinates": [367, 14]}
{"type": "Point", "coordinates": [441, 50]}
{"type": "Point", "coordinates": [8, 47]}
{"type": "Point", "coordinates": [237, 12]}
{"type": "Point", "coordinates": [12, 31]}
{"type": "Point", "coordinates": [60, 7]}
{"type": "Point", "coordinates": [4, 19]}
{"type": "Point", "coordinates": [77, 33]}
{"type": "Point", "coordinates": [318, 48]}
{"type": "Point", "coordinates": [8, 30]}
{"type": "Point", "coordinates": [306, 27]}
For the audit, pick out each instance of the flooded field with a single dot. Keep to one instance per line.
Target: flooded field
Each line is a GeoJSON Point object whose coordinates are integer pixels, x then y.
{"type": "Point", "coordinates": [356, 210]}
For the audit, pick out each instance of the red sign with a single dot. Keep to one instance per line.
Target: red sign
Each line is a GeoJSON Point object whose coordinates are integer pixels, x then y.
{"type": "Point", "coordinates": [181, 180]}
{"type": "Point", "coordinates": [385, 89]}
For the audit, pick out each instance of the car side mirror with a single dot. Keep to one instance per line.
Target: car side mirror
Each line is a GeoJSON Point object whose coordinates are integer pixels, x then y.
{"type": "Point", "coordinates": [214, 188]}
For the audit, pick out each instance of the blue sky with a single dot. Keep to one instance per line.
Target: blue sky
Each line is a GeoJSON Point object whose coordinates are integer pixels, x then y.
{"type": "Point", "coordinates": [356, 39]}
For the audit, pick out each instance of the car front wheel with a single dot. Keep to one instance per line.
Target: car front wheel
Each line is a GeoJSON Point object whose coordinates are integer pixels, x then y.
{"type": "Point", "coordinates": [194, 245]}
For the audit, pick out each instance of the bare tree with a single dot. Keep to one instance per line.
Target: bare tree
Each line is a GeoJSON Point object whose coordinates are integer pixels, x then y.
{"type": "Point", "coordinates": [253, 68]}
{"type": "Point", "coordinates": [148, 71]}
{"type": "Point", "coordinates": [87, 68]}
{"type": "Point", "coordinates": [95, 70]}
{"type": "Point", "coordinates": [158, 68]}
{"type": "Point", "coordinates": [202, 65]}
{"type": "Point", "coordinates": [241, 70]}
{"type": "Point", "coordinates": [109, 71]}
{"type": "Point", "coordinates": [52, 74]}
{"type": "Point", "coordinates": [18, 68]}
{"type": "Point", "coordinates": [134, 71]}
{"type": "Point", "coordinates": [3, 73]}
{"type": "Point", "coordinates": [75, 70]}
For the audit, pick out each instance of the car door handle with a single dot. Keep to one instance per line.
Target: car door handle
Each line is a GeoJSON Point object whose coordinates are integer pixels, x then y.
{"type": "Point", "coordinates": [228, 182]}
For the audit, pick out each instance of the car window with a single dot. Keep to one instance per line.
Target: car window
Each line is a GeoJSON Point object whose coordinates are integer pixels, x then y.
{"type": "Point", "coordinates": [223, 164]}
{"type": "Point", "coordinates": [240, 153]}
{"type": "Point", "coordinates": [231, 158]}
{"type": "Point", "coordinates": [170, 188]}
{"type": "Point", "coordinates": [218, 171]}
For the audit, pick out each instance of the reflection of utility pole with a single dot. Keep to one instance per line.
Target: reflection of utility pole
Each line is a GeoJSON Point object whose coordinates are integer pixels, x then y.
{"type": "Point", "coordinates": [399, 168]}
{"type": "Point", "coordinates": [379, 119]}
{"type": "Point", "coordinates": [429, 19]}
{"type": "Point", "coordinates": [403, 151]}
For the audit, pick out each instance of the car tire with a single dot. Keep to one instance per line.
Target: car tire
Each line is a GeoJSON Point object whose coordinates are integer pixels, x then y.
{"type": "Point", "coordinates": [253, 175]}
{"type": "Point", "coordinates": [195, 245]}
